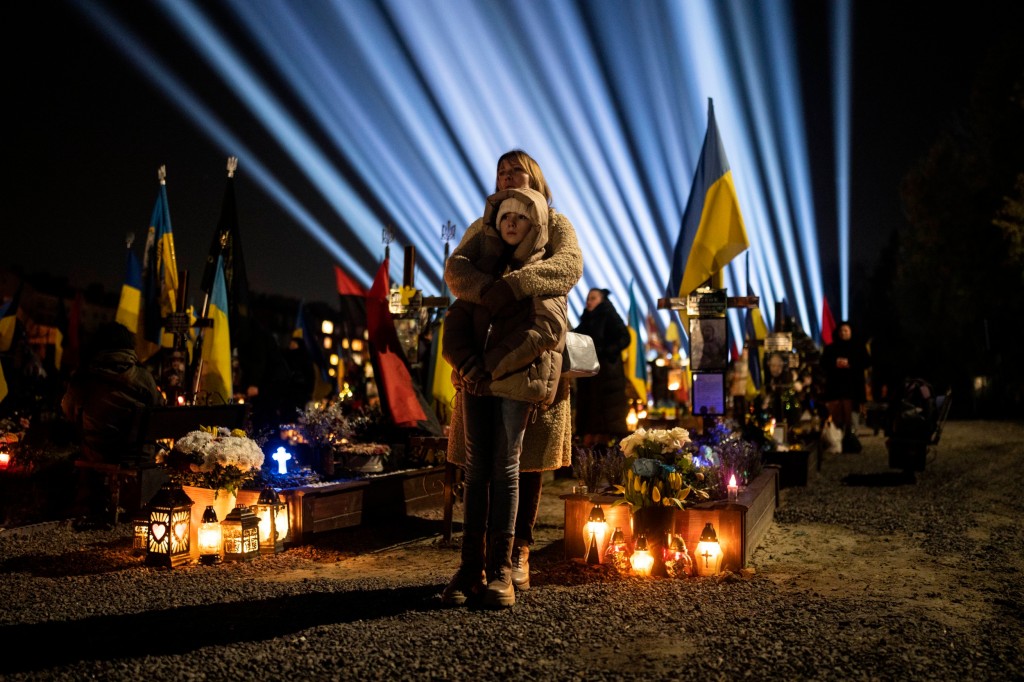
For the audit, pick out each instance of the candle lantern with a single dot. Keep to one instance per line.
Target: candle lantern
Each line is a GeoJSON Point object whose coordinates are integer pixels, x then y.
{"type": "Point", "coordinates": [677, 559]}
{"type": "Point", "coordinates": [733, 489]}
{"type": "Point", "coordinates": [140, 531]}
{"type": "Point", "coordinates": [709, 552]}
{"type": "Point", "coordinates": [617, 553]}
{"type": "Point", "coordinates": [209, 537]}
{"type": "Point", "coordinates": [269, 509]}
{"type": "Point", "coordinates": [170, 525]}
{"type": "Point", "coordinates": [642, 560]}
{"type": "Point", "coordinates": [594, 531]}
{"type": "Point", "coordinates": [241, 532]}
{"type": "Point", "coordinates": [5, 455]}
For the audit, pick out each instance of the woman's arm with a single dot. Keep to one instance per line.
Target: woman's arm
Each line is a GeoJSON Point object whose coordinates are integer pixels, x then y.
{"type": "Point", "coordinates": [463, 278]}
{"type": "Point", "coordinates": [560, 269]}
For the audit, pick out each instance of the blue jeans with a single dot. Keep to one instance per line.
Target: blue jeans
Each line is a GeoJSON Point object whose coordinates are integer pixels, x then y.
{"type": "Point", "coordinates": [494, 441]}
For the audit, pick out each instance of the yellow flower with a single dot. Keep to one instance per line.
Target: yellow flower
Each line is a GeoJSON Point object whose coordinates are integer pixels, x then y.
{"type": "Point", "coordinates": [656, 494]}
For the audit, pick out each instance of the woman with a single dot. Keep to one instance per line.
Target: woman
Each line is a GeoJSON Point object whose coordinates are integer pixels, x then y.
{"type": "Point", "coordinates": [507, 367]}
{"type": "Point", "coordinates": [601, 402]}
{"type": "Point", "coordinates": [547, 444]}
{"type": "Point", "coordinates": [844, 362]}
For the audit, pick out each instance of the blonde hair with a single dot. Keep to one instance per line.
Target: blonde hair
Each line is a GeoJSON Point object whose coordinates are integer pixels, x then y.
{"type": "Point", "coordinates": [537, 181]}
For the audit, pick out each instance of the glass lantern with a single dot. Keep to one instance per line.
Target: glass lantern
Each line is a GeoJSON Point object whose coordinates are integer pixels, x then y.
{"type": "Point", "coordinates": [594, 531]}
{"type": "Point", "coordinates": [241, 532]}
{"type": "Point", "coordinates": [678, 563]}
{"type": "Point", "coordinates": [170, 524]}
{"type": "Point", "coordinates": [5, 455]}
{"type": "Point", "coordinates": [209, 537]}
{"type": "Point", "coordinates": [709, 552]}
{"type": "Point", "coordinates": [617, 553]}
{"type": "Point", "coordinates": [140, 531]}
{"type": "Point", "coordinates": [642, 561]}
{"type": "Point", "coordinates": [269, 510]}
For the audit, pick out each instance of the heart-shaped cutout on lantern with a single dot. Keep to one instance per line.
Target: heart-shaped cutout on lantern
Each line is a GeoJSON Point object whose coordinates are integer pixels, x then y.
{"type": "Point", "coordinates": [181, 530]}
{"type": "Point", "coordinates": [157, 530]}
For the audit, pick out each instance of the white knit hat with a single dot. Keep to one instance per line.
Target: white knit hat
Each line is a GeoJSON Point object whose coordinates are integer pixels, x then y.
{"type": "Point", "coordinates": [511, 205]}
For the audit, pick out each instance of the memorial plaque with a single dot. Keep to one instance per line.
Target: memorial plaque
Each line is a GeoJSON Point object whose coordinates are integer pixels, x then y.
{"type": "Point", "coordinates": [781, 342]}
{"type": "Point", "coordinates": [707, 303]}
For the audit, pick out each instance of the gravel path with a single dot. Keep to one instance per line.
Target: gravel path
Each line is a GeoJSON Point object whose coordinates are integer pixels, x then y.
{"type": "Point", "coordinates": [861, 577]}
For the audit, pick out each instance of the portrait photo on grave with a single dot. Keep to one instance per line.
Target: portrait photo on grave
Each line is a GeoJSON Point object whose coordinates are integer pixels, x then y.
{"type": "Point", "coordinates": [708, 348]}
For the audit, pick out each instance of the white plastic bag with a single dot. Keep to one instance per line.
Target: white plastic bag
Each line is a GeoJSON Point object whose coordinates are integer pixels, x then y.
{"type": "Point", "coordinates": [832, 438]}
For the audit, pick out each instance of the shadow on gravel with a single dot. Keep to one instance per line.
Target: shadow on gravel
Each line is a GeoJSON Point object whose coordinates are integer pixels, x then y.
{"type": "Point", "coordinates": [182, 630]}
{"type": "Point", "coordinates": [881, 479]}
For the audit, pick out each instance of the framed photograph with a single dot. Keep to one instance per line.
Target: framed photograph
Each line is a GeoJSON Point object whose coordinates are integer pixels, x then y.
{"type": "Point", "coordinates": [709, 348]}
{"type": "Point", "coordinates": [777, 368]}
{"type": "Point", "coordinates": [708, 393]}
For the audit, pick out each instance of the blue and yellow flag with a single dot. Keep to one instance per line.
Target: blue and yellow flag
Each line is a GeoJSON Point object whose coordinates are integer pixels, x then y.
{"type": "Point", "coordinates": [712, 233]}
{"type": "Point", "coordinates": [216, 375]}
{"type": "Point", "coordinates": [636, 362]}
{"type": "Point", "coordinates": [756, 332]}
{"type": "Point", "coordinates": [9, 320]}
{"type": "Point", "coordinates": [131, 294]}
{"type": "Point", "coordinates": [159, 277]}
{"type": "Point", "coordinates": [441, 388]}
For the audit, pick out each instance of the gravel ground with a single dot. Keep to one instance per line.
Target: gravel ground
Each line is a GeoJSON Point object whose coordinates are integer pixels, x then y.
{"type": "Point", "coordinates": [861, 577]}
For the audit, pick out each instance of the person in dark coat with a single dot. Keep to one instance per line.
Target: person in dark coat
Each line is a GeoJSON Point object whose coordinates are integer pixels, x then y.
{"type": "Point", "coordinates": [601, 402]}
{"type": "Point", "coordinates": [843, 363]}
{"type": "Point", "coordinates": [102, 403]}
{"type": "Point", "coordinates": [106, 393]}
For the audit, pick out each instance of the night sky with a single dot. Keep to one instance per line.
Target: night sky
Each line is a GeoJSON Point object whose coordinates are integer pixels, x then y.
{"type": "Point", "coordinates": [88, 134]}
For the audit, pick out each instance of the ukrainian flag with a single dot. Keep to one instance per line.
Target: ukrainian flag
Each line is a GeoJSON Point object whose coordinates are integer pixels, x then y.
{"type": "Point", "coordinates": [9, 320]}
{"type": "Point", "coordinates": [216, 375]}
{"type": "Point", "coordinates": [757, 332]}
{"type": "Point", "coordinates": [712, 233]}
{"type": "Point", "coordinates": [131, 294]}
{"type": "Point", "coordinates": [636, 362]}
{"type": "Point", "coordinates": [441, 388]}
{"type": "Point", "coordinates": [159, 277]}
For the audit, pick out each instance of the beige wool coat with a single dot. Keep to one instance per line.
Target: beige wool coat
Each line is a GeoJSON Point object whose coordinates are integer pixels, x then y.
{"type": "Point", "coordinates": [547, 443]}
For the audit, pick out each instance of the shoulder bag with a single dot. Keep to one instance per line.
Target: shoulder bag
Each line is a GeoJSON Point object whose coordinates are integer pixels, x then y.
{"type": "Point", "coordinates": [579, 359]}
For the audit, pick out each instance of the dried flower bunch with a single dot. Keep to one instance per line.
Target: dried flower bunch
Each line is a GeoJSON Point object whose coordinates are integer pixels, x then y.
{"type": "Point", "coordinates": [659, 472]}
{"type": "Point", "coordinates": [213, 457]}
{"type": "Point", "coordinates": [596, 463]}
{"type": "Point", "coordinates": [366, 449]}
{"type": "Point", "coordinates": [326, 424]}
{"type": "Point", "coordinates": [725, 453]}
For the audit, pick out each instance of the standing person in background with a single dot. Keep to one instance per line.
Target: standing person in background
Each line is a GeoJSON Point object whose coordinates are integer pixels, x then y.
{"type": "Point", "coordinates": [843, 363]}
{"type": "Point", "coordinates": [507, 366]}
{"type": "Point", "coordinates": [547, 444]}
{"type": "Point", "coordinates": [601, 401]}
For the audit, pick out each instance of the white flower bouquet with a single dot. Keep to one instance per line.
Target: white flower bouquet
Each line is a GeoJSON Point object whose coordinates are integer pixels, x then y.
{"type": "Point", "coordinates": [213, 457]}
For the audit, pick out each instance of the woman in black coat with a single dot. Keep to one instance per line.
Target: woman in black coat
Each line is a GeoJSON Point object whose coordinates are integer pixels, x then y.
{"type": "Point", "coordinates": [601, 402]}
{"type": "Point", "coordinates": [844, 362]}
